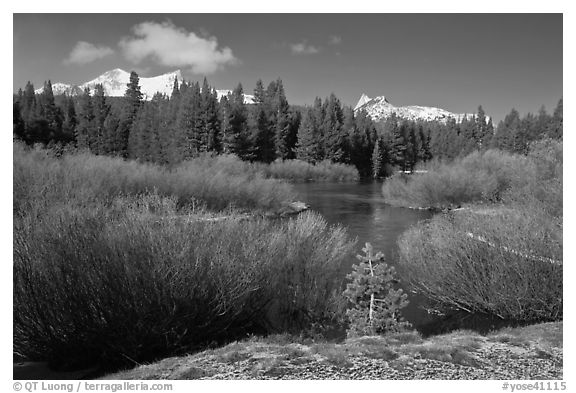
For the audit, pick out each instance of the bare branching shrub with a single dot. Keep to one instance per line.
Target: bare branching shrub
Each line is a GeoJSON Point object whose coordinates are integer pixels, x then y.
{"type": "Point", "coordinates": [478, 177]}
{"type": "Point", "coordinates": [96, 285]}
{"type": "Point", "coordinates": [504, 259]}
{"type": "Point", "coordinates": [114, 264]}
{"type": "Point", "coordinates": [217, 182]}
{"type": "Point", "coordinates": [508, 265]}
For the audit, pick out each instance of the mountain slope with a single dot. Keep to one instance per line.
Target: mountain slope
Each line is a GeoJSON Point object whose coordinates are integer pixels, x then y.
{"type": "Point", "coordinates": [380, 108]}
{"type": "Point", "coordinates": [115, 81]}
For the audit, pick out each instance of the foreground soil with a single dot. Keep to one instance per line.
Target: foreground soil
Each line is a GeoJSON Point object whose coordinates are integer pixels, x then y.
{"type": "Point", "coordinates": [530, 352]}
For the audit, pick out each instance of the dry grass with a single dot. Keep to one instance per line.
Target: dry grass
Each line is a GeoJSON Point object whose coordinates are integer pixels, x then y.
{"type": "Point", "coordinates": [545, 335]}
{"type": "Point", "coordinates": [276, 358]}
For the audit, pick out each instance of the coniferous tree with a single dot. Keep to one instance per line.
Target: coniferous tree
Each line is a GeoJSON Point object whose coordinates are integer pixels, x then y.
{"type": "Point", "coordinates": [154, 151]}
{"type": "Point", "coordinates": [144, 137]}
{"type": "Point", "coordinates": [398, 146]}
{"type": "Point", "coordinates": [555, 130]}
{"type": "Point", "coordinates": [375, 303]}
{"type": "Point", "coordinates": [188, 136]}
{"type": "Point", "coordinates": [481, 128]}
{"type": "Point", "coordinates": [70, 121]}
{"type": "Point", "coordinates": [423, 144]}
{"type": "Point", "coordinates": [294, 120]}
{"type": "Point", "coordinates": [209, 119]}
{"type": "Point", "coordinates": [100, 110]}
{"type": "Point", "coordinates": [17, 121]}
{"type": "Point", "coordinates": [170, 135]}
{"type": "Point", "coordinates": [281, 121]}
{"type": "Point", "coordinates": [132, 103]}
{"type": "Point", "coordinates": [335, 141]}
{"type": "Point", "coordinates": [379, 159]}
{"type": "Point", "coordinates": [112, 138]}
{"type": "Point", "coordinates": [309, 146]}
{"type": "Point", "coordinates": [50, 112]}
{"type": "Point", "coordinates": [362, 143]}
{"type": "Point", "coordinates": [28, 103]}
{"type": "Point", "coordinates": [84, 128]}
{"type": "Point", "coordinates": [506, 132]}
{"type": "Point", "coordinates": [488, 135]}
{"type": "Point", "coordinates": [259, 93]}
{"type": "Point", "coordinates": [264, 148]}
{"type": "Point", "coordinates": [236, 132]}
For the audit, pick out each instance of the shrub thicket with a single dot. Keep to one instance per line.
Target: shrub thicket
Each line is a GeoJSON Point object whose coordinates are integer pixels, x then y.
{"type": "Point", "coordinates": [215, 182]}
{"type": "Point", "coordinates": [128, 282]}
{"type": "Point", "coordinates": [108, 270]}
{"type": "Point", "coordinates": [507, 264]}
{"type": "Point", "coordinates": [478, 177]}
{"type": "Point", "coordinates": [504, 259]}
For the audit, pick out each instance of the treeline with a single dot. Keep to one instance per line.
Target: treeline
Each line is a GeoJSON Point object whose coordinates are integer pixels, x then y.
{"type": "Point", "coordinates": [192, 121]}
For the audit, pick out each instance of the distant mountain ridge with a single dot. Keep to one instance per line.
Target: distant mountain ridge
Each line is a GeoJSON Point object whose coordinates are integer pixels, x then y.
{"type": "Point", "coordinates": [114, 83]}
{"type": "Point", "coordinates": [379, 108]}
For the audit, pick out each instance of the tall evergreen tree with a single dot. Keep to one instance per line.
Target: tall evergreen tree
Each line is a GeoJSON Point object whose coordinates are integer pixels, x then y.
{"type": "Point", "coordinates": [50, 112]}
{"type": "Point", "coordinates": [188, 136]}
{"type": "Point", "coordinates": [309, 146]}
{"type": "Point", "coordinates": [84, 128]}
{"type": "Point", "coordinates": [259, 93]}
{"type": "Point", "coordinates": [363, 143]}
{"type": "Point", "coordinates": [28, 103]}
{"type": "Point", "coordinates": [132, 103]}
{"type": "Point", "coordinates": [335, 141]}
{"type": "Point", "coordinates": [281, 121]}
{"type": "Point", "coordinates": [264, 148]}
{"type": "Point", "coordinates": [236, 133]}
{"type": "Point", "coordinates": [17, 121]}
{"type": "Point", "coordinates": [112, 138]}
{"type": "Point", "coordinates": [101, 109]}
{"type": "Point", "coordinates": [379, 159]}
{"type": "Point", "coordinates": [555, 129]}
{"type": "Point", "coordinates": [70, 121]}
{"type": "Point", "coordinates": [506, 132]}
{"type": "Point", "coordinates": [209, 119]}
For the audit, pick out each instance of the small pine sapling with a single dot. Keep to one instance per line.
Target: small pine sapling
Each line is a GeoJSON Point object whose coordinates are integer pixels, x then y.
{"type": "Point", "coordinates": [375, 303]}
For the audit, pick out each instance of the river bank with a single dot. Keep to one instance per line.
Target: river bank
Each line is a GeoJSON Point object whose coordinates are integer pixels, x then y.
{"type": "Point", "coordinates": [530, 352]}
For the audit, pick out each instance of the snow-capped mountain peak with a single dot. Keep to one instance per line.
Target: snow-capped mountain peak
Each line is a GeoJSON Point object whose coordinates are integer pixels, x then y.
{"type": "Point", "coordinates": [114, 83]}
{"type": "Point", "coordinates": [379, 108]}
{"type": "Point", "coordinates": [362, 101]}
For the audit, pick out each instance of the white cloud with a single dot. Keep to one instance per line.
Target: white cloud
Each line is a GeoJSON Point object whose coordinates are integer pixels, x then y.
{"type": "Point", "coordinates": [303, 48]}
{"type": "Point", "coordinates": [85, 52]}
{"type": "Point", "coordinates": [172, 46]}
{"type": "Point", "coordinates": [335, 40]}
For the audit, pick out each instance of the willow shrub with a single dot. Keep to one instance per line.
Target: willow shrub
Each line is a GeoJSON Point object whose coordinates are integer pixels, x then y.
{"type": "Point", "coordinates": [301, 171]}
{"type": "Point", "coordinates": [122, 283]}
{"type": "Point", "coordinates": [507, 264]}
{"type": "Point", "coordinates": [215, 182]}
{"type": "Point", "coordinates": [478, 177]}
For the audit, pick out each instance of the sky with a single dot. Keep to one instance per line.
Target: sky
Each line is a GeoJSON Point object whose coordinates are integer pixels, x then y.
{"type": "Point", "coordinates": [451, 61]}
